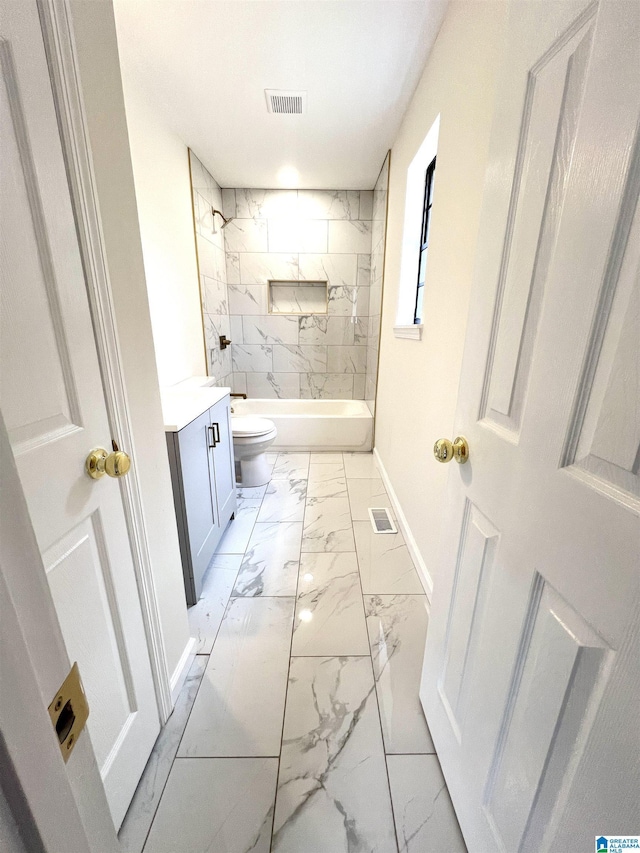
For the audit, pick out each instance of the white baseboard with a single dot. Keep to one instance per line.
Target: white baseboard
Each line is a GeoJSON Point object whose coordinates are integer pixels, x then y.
{"type": "Point", "coordinates": [181, 671]}
{"type": "Point", "coordinates": [412, 546]}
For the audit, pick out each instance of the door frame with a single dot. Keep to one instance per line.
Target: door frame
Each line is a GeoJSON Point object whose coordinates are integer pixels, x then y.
{"type": "Point", "coordinates": [57, 31]}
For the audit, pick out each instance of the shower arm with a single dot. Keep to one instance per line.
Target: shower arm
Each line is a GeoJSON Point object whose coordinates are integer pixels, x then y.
{"type": "Point", "coordinates": [225, 220]}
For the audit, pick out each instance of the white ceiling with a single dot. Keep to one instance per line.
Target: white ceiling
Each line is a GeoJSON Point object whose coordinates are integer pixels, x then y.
{"type": "Point", "coordinates": [204, 64]}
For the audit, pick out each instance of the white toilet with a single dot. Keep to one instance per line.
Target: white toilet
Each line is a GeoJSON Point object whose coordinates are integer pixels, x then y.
{"type": "Point", "coordinates": [251, 438]}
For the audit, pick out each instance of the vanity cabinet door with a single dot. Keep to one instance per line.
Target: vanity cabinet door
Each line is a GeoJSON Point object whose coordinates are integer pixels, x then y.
{"type": "Point", "coordinates": [200, 512]}
{"type": "Point", "coordinates": [223, 483]}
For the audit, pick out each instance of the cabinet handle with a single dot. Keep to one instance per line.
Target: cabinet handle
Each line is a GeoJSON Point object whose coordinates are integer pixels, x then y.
{"type": "Point", "coordinates": [216, 432]}
{"type": "Point", "coordinates": [213, 437]}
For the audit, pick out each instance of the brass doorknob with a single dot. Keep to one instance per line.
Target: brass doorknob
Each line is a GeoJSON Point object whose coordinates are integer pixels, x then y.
{"type": "Point", "coordinates": [445, 451]}
{"type": "Point", "coordinates": [114, 464]}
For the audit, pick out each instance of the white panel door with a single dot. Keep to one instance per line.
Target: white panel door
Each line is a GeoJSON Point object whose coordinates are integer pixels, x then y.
{"type": "Point", "coordinates": [52, 401]}
{"type": "Point", "coordinates": [530, 681]}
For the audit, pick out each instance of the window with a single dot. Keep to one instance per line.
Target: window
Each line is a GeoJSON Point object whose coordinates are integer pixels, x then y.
{"type": "Point", "coordinates": [424, 238]}
{"type": "Point", "coordinates": [415, 236]}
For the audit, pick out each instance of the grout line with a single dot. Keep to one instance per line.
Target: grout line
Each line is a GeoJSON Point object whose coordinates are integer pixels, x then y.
{"type": "Point", "coordinates": [331, 656]}
{"type": "Point", "coordinates": [219, 757]}
{"type": "Point", "coordinates": [375, 688]}
{"type": "Point", "coordinates": [286, 690]}
{"type": "Point", "coordinates": [392, 754]}
{"type": "Point", "coordinates": [175, 754]}
{"type": "Point", "coordinates": [208, 656]}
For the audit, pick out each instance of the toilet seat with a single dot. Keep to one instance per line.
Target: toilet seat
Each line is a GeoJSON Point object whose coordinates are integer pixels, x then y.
{"type": "Point", "coordinates": [251, 426]}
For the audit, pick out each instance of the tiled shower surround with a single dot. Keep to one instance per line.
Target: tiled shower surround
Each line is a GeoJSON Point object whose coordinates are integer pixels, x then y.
{"type": "Point", "coordinates": [299, 235]}
{"type": "Point", "coordinates": [291, 235]}
{"type": "Point", "coordinates": [206, 195]}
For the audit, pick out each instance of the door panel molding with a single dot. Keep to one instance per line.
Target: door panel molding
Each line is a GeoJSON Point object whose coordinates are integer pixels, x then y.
{"type": "Point", "coordinates": [559, 676]}
{"type": "Point", "coordinates": [56, 24]}
{"type": "Point", "coordinates": [555, 84]}
{"type": "Point", "coordinates": [608, 454]}
{"type": "Point", "coordinates": [479, 541]}
{"type": "Point", "coordinates": [26, 431]}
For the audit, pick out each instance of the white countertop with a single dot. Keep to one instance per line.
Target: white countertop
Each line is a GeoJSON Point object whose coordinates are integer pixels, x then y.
{"type": "Point", "coordinates": [181, 405]}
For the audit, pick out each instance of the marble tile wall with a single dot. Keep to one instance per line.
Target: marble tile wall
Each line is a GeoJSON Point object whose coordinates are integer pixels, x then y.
{"type": "Point", "coordinates": [206, 195]}
{"type": "Point", "coordinates": [378, 240]}
{"type": "Point", "coordinates": [299, 235]}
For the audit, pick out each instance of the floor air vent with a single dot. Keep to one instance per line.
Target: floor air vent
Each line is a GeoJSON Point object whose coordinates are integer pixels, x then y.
{"type": "Point", "coordinates": [381, 520]}
{"type": "Point", "coordinates": [285, 102]}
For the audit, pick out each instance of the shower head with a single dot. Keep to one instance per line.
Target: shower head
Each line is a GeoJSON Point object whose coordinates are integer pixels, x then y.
{"type": "Point", "coordinates": [225, 220]}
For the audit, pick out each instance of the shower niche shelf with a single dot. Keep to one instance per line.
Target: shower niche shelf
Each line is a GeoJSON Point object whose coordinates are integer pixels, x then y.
{"type": "Point", "coordinates": [298, 297]}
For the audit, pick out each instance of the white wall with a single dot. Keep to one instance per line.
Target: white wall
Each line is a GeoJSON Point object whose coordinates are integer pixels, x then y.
{"type": "Point", "coordinates": [418, 380]}
{"type": "Point", "coordinates": [100, 78]}
{"type": "Point", "coordinates": [163, 191]}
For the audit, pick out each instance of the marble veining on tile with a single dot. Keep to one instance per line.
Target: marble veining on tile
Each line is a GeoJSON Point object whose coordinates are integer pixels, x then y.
{"type": "Point", "coordinates": [397, 627]}
{"type": "Point", "coordinates": [262, 204]}
{"type": "Point", "coordinates": [248, 299]}
{"type": "Point", "coordinates": [386, 566]}
{"type": "Point", "coordinates": [270, 329]}
{"type": "Point", "coordinates": [216, 805]}
{"type": "Point", "coordinates": [291, 466]}
{"type": "Point", "coordinates": [251, 492]}
{"type": "Point", "coordinates": [240, 704]}
{"type": "Point", "coordinates": [327, 469]}
{"type": "Point", "coordinates": [261, 267]}
{"type": "Point", "coordinates": [348, 301]}
{"type": "Point", "coordinates": [336, 270]}
{"type": "Point", "coordinates": [424, 816]}
{"type": "Point", "coordinates": [366, 493]}
{"type": "Point", "coordinates": [327, 525]}
{"type": "Point", "coordinates": [329, 204]}
{"type": "Point", "coordinates": [270, 564]}
{"type": "Point", "coordinates": [327, 458]}
{"type": "Point", "coordinates": [246, 357]}
{"type": "Point", "coordinates": [329, 616]}
{"type": "Point", "coordinates": [352, 236]}
{"type": "Point", "coordinates": [346, 359]}
{"type": "Point", "coordinates": [283, 386]}
{"type": "Point", "coordinates": [357, 465]}
{"type": "Point", "coordinates": [328, 487]}
{"type": "Point", "coordinates": [332, 786]}
{"type": "Point", "coordinates": [327, 480]}
{"type": "Point", "coordinates": [326, 386]}
{"type": "Point", "coordinates": [236, 536]}
{"type": "Point", "coordinates": [300, 359]}
{"type": "Point", "coordinates": [326, 330]}
{"type": "Point", "coordinates": [246, 235]}
{"type": "Point", "coordinates": [205, 616]}
{"type": "Point", "coordinates": [284, 500]}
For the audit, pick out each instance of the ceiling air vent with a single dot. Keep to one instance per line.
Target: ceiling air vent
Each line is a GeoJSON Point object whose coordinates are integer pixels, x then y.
{"type": "Point", "coordinates": [285, 102]}
{"type": "Point", "coordinates": [381, 520]}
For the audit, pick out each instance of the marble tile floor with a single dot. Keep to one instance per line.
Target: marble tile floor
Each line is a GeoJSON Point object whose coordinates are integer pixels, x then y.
{"type": "Point", "coordinates": [299, 728]}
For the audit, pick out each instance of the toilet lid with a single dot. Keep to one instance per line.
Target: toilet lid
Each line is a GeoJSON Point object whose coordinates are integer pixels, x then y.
{"type": "Point", "coordinates": [250, 426]}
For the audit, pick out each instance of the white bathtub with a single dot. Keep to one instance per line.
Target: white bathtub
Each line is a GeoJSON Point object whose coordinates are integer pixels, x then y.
{"type": "Point", "coordinates": [314, 424]}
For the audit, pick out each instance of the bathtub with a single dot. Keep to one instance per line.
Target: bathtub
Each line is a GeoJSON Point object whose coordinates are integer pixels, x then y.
{"type": "Point", "coordinates": [314, 424]}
